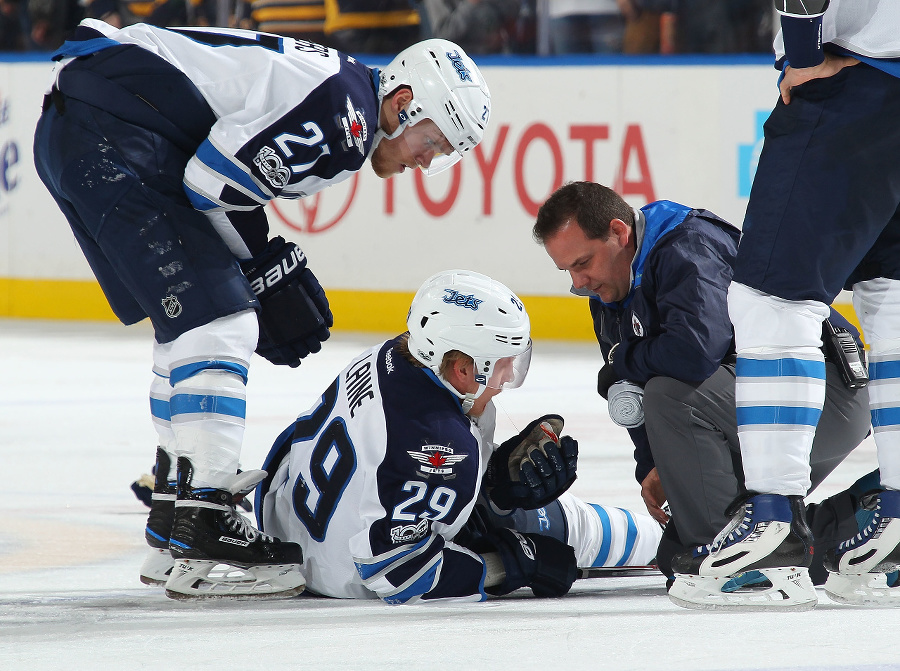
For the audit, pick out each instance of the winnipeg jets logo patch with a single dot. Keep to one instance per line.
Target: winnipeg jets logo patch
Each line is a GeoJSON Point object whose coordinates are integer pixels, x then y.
{"type": "Point", "coordinates": [636, 326]}
{"type": "Point", "coordinates": [437, 460]}
{"type": "Point", "coordinates": [463, 300]}
{"type": "Point", "coordinates": [356, 131]}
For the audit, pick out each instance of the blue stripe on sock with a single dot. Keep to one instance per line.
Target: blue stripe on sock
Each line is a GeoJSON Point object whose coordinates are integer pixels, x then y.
{"type": "Point", "coordinates": [777, 414]}
{"type": "Point", "coordinates": [630, 537]}
{"type": "Point", "coordinates": [184, 404]}
{"type": "Point", "coordinates": [160, 409]}
{"type": "Point", "coordinates": [884, 370]}
{"type": "Point", "coordinates": [886, 417]}
{"type": "Point", "coordinates": [603, 555]}
{"type": "Point", "coordinates": [780, 368]}
{"type": "Point", "coordinates": [182, 373]}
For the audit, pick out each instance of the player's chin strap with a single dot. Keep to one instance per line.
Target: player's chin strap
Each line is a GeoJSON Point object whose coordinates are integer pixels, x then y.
{"type": "Point", "coordinates": [381, 134]}
{"type": "Point", "coordinates": [465, 400]}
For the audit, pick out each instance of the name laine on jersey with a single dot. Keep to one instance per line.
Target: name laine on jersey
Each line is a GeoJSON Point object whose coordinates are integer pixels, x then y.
{"type": "Point", "coordinates": [410, 533]}
{"type": "Point", "coordinates": [437, 460]}
{"type": "Point", "coordinates": [358, 383]}
{"type": "Point", "coordinates": [355, 129]}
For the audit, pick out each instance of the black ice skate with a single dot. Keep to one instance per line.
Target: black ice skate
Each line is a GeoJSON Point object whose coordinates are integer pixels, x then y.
{"type": "Point", "coordinates": [859, 567]}
{"type": "Point", "coordinates": [760, 561]}
{"type": "Point", "coordinates": [219, 554]}
{"type": "Point", "coordinates": [158, 564]}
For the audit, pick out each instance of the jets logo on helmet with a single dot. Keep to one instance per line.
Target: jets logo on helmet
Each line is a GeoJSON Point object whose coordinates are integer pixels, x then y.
{"type": "Point", "coordinates": [463, 300]}
{"type": "Point", "coordinates": [461, 69]}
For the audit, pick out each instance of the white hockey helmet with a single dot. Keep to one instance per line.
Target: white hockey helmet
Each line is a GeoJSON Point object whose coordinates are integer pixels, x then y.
{"type": "Point", "coordinates": [469, 312]}
{"type": "Point", "coordinates": [447, 88]}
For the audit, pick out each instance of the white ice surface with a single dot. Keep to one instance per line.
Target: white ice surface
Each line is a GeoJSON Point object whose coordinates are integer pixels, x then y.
{"type": "Point", "coordinates": [75, 432]}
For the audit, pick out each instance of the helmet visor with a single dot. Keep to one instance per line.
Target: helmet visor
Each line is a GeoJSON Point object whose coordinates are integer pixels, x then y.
{"type": "Point", "coordinates": [509, 372]}
{"type": "Point", "coordinates": [428, 148]}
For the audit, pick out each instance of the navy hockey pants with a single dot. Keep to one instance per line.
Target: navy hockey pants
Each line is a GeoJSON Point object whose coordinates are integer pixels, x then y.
{"type": "Point", "coordinates": [114, 162]}
{"type": "Point", "coordinates": [823, 211]}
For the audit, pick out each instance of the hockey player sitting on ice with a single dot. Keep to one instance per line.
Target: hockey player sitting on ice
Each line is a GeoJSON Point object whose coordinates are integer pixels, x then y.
{"type": "Point", "coordinates": [394, 488]}
{"type": "Point", "coordinates": [162, 147]}
{"type": "Point", "coordinates": [657, 280]}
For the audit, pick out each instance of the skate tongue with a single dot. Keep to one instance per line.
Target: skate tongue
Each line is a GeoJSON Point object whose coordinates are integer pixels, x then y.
{"type": "Point", "coordinates": [245, 481]}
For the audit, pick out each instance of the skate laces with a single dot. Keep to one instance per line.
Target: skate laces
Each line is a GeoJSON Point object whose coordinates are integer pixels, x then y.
{"type": "Point", "coordinates": [735, 529]}
{"type": "Point", "coordinates": [867, 519]}
{"type": "Point", "coordinates": [239, 526]}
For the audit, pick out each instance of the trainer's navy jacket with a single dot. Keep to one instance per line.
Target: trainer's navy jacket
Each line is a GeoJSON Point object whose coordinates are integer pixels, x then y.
{"type": "Point", "coordinates": [674, 321]}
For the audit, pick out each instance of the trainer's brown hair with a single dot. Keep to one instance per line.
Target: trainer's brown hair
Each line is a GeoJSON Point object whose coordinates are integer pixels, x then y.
{"type": "Point", "coordinates": [592, 205]}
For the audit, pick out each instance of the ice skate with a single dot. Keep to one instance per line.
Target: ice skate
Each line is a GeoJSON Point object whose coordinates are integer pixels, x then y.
{"type": "Point", "coordinates": [859, 567]}
{"type": "Point", "coordinates": [158, 563]}
{"type": "Point", "coordinates": [758, 562]}
{"type": "Point", "coordinates": [218, 553]}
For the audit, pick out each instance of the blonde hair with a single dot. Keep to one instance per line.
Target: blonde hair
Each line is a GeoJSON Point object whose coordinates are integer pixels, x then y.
{"type": "Point", "coordinates": [447, 363]}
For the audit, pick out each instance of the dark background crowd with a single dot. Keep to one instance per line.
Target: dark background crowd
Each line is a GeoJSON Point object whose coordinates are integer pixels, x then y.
{"type": "Point", "coordinates": [543, 27]}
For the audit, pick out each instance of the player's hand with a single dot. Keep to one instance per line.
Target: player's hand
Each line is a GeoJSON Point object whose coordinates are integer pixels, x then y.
{"type": "Point", "coordinates": [532, 468]}
{"type": "Point", "coordinates": [654, 496]}
{"type": "Point", "coordinates": [827, 68]}
{"type": "Point", "coordinates": [544, 564]}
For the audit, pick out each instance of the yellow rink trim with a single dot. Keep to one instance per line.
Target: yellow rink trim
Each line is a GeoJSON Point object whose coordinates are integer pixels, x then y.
{"type": "Point", "coordinates": [552, 317]}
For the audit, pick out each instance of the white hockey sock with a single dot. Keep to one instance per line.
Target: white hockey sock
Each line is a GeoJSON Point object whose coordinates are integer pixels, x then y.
{"type": "Point", "coordinates": [780, 387]}
{"type": "Point", "coordinates": [161, 414]}
{"type": "Point", "coordinates": [608, 536]}
{"type": "Point", "coordinates": [877, 304]}
{"type": "Point", "coordinates": [207, 368]}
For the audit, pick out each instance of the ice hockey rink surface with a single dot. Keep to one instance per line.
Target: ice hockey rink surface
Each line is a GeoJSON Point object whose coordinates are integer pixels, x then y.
{"type": "Point", "coordinates": [75, 432]}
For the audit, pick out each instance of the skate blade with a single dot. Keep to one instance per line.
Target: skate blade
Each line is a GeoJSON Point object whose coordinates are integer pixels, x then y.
{"type": "Point", "coordinates": [208, 579]}
{"type": "Point", "coordinates": [866, 589]}
{"type": "Point", "coordinates": [790, 590]}
{"type": "Point", "coordinates": [157, 567]}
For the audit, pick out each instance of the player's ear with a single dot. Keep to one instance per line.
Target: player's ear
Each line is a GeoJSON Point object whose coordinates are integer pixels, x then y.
{"type": "Point", "coordinates": [400, 98]}
{"type": "Point", "coordinates": [462, 372]}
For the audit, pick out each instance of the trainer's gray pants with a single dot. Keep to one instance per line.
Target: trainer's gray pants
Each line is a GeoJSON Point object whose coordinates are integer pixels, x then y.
{"type": "Point", "coordinates": [693, 437]}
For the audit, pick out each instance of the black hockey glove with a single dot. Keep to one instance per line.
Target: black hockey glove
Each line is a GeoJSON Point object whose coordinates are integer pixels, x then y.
{"type": "Point", "coordinates": [533, 468]}
{"type": "Point", "coordinates": [294, 318]}
{"type": "Point", "coordinates": [542, 563]}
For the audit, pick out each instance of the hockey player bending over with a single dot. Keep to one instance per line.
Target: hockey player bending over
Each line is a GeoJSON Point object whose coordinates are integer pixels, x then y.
{"type": "Point", "coordinates": [161, 147]}
{"type": "Point", "coordinates": [392, 484]}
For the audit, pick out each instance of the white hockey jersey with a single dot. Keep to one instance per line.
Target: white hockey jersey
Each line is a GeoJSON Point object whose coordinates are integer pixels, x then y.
{"type": "Point", "coordinates": [292, 117]}
{"type": "Point", "coordinates": [382, 473]}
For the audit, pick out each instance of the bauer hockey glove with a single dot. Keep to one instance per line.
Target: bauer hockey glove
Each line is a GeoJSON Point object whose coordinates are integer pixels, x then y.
{"type": "Point", "coordinates": [542, 563]}
{"type": "Point", "coordinates": [533, 468]}
{"type": "Point", "coordinates": [294, 316]}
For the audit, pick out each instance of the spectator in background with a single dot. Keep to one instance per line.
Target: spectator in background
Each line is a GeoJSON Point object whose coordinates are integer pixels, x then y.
{"type": "Point", "coordinates": [371, 26]}
{"type": "Point", "coordinates": [300, 19]}
{"type": "Point", "coordinates": [12, 28]}
{"type": "Point", "coordinates": [52, 21]}
{"type": "Point", "coordinates": [478, 26]}
{"type": "Point", "coordinates": [587, 26]}
{"type": "Point", "coordinates": [120, 13]}
{"type": "Point", "coordinates": [713, 26]}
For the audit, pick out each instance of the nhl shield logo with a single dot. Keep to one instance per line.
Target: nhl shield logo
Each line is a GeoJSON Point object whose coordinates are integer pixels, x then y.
{"type": "Point", "coordinates": [637, 326]}
{"type": "Point", "coordinates": [171, 306]}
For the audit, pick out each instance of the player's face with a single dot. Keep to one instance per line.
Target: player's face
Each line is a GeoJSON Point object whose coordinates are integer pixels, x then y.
{"type": "Point", "coordinates": [600, 266]}
{"type": "Point", "coordinates": [415, 147]}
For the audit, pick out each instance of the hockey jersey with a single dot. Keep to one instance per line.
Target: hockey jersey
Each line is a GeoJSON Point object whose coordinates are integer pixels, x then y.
{"type": "Point", "coordinates": [291, 117]}
{"type": "Point", "coordinates": [375, 481]}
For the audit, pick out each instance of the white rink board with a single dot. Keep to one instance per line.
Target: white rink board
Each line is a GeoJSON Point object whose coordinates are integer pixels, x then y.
{"type": "Point", "coordinates": [682, 132]}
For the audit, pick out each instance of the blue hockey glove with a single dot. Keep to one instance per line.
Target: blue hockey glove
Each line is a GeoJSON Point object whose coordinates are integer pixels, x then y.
{"type": "Point", "coordinates": [533, 468]}
{"type": "Point", "coordinates": [294, 318]}
{"type": "Point", "coordinates": [542, 563]}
